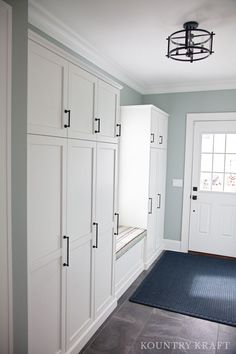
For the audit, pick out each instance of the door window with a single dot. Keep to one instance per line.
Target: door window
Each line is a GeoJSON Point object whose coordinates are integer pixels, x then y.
{"type": "Point", "coordinates": [218, 163]}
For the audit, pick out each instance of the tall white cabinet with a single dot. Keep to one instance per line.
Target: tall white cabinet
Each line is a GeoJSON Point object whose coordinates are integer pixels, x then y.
{"type": "Point", "coordinates": [73, 131]}
{"type": "Point", "coordinates": [142, 173]}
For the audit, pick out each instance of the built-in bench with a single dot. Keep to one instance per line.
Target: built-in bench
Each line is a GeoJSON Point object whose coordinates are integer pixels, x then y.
{"type": "Point", "coordinates": [129, 256]}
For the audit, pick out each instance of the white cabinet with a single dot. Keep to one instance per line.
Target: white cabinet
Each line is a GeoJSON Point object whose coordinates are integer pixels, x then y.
{"type": "Point", "coordinates": [142, 172]}
{"type": "Point", "coordinates": [47, 91]}
{"type": "Point", "coordinates": [71, 204]}
{"type": "Point", "coordinates": [47, 158]}
{"type": "Point", "coordinates": [68, 101]}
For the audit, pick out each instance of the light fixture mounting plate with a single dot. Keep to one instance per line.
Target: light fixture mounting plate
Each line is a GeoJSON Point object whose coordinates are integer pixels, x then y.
{"type": "Point", "coordinates": [190, 25]}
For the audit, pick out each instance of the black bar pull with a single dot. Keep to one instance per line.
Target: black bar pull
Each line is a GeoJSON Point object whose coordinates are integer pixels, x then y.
{"type": "Point", "coordinates": [150, 211]}
{"type": "Point", "coordinates": [152, 137]}
{"type": "Point", "coordinates": [117, 224]}
{"type": "Point", "coordinates": [68, 251]}
{"type": "Point", "coordinates": [96, 224]}
{"type": "Point", "coordinates": [119, 132]}
{"type": "Point", "coordinates": [67, 125]}
{"type": "Point", "coordinates": [159, 201]}
{"type": "Point", "coordinates": [98, 130]}
{"type": "Point", "coordinates": [160, 139]}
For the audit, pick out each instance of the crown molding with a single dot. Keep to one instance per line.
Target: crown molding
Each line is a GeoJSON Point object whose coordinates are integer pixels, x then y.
{"type": "Point", "coordinates": [53, 27]}
{"type": "Point", "coordinates": [192, 87]}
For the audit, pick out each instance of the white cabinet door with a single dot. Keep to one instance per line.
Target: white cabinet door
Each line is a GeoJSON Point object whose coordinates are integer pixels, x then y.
{"type": "Point", "coordinates": [47, 92]}
{"type": "Point", "coordinates": [154, 128]}
{"type": "Point", "coordinates": [46, 226]}
{"type": "Point", "coordinates": [107, 113]}
{"type": "Point", "coordinates": [80, 214]}
{"type": "Point", "coordinates": [104, 251]}
{"type": "Point", "coordinates": [162, 131]}
{"type": "Point", "coordinates": [161, 191]}
{"type": "Point", "coordinates": [82, 103]}
{"type": "Point", "coordinates": [152, 204]}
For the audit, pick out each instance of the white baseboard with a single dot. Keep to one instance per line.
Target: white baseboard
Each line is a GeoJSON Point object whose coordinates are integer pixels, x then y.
{"type": "Point", "coordinates": [91, 330]}
{"type": "Point", "coordinates": [172, 245]}
{"type": "Point", "coordinates": [153, 258]}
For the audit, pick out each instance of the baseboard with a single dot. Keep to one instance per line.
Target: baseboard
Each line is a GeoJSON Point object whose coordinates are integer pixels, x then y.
{"type": "Point", "coordinates": [125, 284]}
{"type": "Point", "coordinates": [153, 258]}
{"type": "Point", "coordinates": [83, 340]}
{"type": "Point", "coordinates": [172, 245]}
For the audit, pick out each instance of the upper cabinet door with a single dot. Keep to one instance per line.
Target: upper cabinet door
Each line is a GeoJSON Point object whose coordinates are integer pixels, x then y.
{"type": "Point", "coordinates": [154, 129]}
{"type": "Point", "coordinates": [162, 131]}
{"type": "Point", "coordinates": [107, 119]}
{"type": "Point", "coordinates": [47, 92]}
{"type": "Point", "coordinates": [82, 103]}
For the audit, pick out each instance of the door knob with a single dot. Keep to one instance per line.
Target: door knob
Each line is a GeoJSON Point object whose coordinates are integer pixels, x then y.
{"type": "Point", "coordinates": [194, 197]}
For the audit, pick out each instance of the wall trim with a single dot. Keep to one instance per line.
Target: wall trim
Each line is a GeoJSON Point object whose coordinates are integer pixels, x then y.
{"type": "Point", "coordinates": [52, 26]}
{"type": "Point", "coordinates": [5, 162]}
{"type": "Point", "coordinates": [191, 119]}
{"type": "Point", "coordinates": [172, 245]}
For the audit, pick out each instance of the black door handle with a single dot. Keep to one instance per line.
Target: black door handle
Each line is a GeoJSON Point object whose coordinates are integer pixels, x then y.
{"type": "Point", "coordinates": [96, 225]}
{"type": "Point", "coordinates": [68, 124]}
{"type": "Point", "coordinates": [98, 130]}
{"type": "Point", "coordinates": [152, 138]}
{"type": "Point", "coordinates": [150, 211]}
{"type": "Point", "coordinates": [117, 224]}
{"type": "Point", "coordinates": [119, 132]}
{"type": "Point", "coordinates": [160, 140]}
{"type": "Point", "coordinates": [68, 251]}
{"type": "Point", "coordinates": [194, 197]}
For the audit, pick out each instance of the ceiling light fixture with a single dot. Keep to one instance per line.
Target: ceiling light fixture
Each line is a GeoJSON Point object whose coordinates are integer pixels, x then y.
{"type": "Point", "coordinates": [190, 44]}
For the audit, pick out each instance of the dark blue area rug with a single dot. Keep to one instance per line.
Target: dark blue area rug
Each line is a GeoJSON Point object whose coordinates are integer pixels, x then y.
{"type": "Point", "coordinates": [199, 286]}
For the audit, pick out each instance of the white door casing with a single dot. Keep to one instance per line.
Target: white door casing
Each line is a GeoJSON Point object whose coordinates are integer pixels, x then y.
{"type": "Point", "coordinates": [213, 213]}
{"type": "Point", "coordinates": [6, 324]}
{"type": "Point", "coordinates": [187, 209]}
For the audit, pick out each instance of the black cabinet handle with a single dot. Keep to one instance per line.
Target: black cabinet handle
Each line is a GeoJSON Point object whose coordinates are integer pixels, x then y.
{"type": "Point", "coordinates": [150, 211]}
{"type": "Point", "coordinates": [98, 130]}
{"type": "Point", "coordinates": [96, 225]}
{"type": "Point", "coordinates": [152, 138]}
{"type": "Point", "coordinates": [160, 139]}
{"type": "Point", "coordinates": [194, 197]}
{"type": "Point", "coordinates": [117, 224]}
{"type": "Point", "coordinates": [119, 132]}
{"type": "Point", "coordinates": [67, 125]}
{"type": "Point", "coordinates": [159, 201]}
{"type": "Point", "coordinates": [68, 251]}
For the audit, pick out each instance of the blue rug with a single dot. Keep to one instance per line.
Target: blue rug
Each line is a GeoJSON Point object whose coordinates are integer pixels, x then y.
{"type": "Point", "coordinates": [199, 286]}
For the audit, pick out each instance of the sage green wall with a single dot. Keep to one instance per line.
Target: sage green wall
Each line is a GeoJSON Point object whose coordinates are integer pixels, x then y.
{"type": "Point", "coordinates": [128, 96]}
{"type": "Point", "coordinates": [178, 105]}
{"type": "Point", "coordinates": [19, 174]}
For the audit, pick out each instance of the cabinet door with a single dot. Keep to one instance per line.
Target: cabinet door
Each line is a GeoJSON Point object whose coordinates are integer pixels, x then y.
{"type": "Point", "coordinates": [47, 92]}
{"type": "Point", "coordinates": [46, 227]}
{"type": "Point", "coordinates": [154, 129]}
{"type": "Point", "coordinates": [80, 214]}
{"type": "Point", "coordinates": [82, 103]}
{"type": "Point", "coordinates": [162, 131]}
{"type": "Point", "coordinates": [152, 207]}
{"type": "Point", "coordinates": [161, 191]}
{"type": "Point", "coordinates": [104, 251]}
{"type": "Point", "coordinates": [108, 112]}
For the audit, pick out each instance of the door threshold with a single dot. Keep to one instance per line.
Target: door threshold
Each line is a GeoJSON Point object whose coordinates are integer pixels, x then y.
{"type": "Point", "coordinates": [211, 255]}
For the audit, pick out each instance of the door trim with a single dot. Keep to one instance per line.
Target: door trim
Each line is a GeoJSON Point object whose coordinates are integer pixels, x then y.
{"type": "Point", "coordinates": [190, 120]}
{"type": "Point", "coordinates": [5, 162]}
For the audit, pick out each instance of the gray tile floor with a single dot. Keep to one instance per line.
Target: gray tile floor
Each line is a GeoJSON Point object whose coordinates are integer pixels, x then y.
{"type": "Point", "coordinates": [134, 328]}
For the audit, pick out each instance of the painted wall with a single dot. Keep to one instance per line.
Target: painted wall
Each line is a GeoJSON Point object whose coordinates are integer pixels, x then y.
{"type": "Point", "coordinates": [178, 105]}
{"type": "Point", "coordinates": [19, 174]}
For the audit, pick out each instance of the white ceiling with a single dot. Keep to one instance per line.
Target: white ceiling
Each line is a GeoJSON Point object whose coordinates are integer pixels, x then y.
{"type": "Point", "coordinates": [127, 38]}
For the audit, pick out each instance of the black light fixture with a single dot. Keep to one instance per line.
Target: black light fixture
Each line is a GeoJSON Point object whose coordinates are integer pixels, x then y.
{"type": "Point", "coordinates": [190, 44]}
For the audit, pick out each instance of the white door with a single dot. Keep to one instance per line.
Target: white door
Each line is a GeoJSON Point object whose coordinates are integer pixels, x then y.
{"type": "Point", "coordinates": [80, 214]}
{"type": "Point", "coordinates": [47, 92]}
{"type": "Point", "coordinates": [107, 123]}
{"type": "Point", "coordinates": [104, 240]}
{"type": "Point", "coordinates": [82, 103]}
{"type": "Point", "coordinates": [161, 191]}
{"type": "Point", "coordinates": [152, 203]}
{"type": "Point", "coordinates": [213, 203]}
{"type": "Point", "coordinates": [46, 221]}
